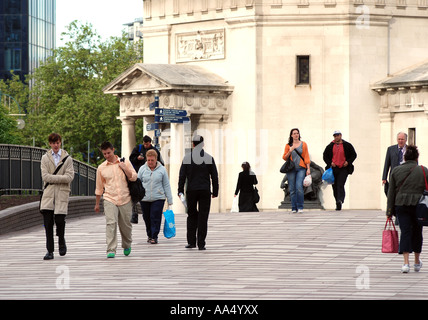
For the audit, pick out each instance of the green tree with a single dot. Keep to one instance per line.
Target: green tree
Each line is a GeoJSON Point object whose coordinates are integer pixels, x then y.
{"type": "Point", "coordinates": [66, 93]}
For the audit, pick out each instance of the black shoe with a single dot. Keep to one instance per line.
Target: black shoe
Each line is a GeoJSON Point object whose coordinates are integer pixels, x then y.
{"type": "Point", "coordinates": [190, 246]}
{"type": "Point", "coordinates": [48, 256]}
{"type": "Point", "coordinates": [338, 205]}
{"type": "Point", "coordinates": [134, 220]}
{"type": "Point", "coordinates": [62, 250]}
{"type": "Point", "coordinates": [202, 248]}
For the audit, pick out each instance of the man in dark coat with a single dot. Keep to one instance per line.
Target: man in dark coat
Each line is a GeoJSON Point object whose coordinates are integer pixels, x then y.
{"type": "Point", "coordinates": [339, 155]}
{"type": "Point", "coordinates": [394, 157]}
{"type": "Point", "coordinates": [199, 171]}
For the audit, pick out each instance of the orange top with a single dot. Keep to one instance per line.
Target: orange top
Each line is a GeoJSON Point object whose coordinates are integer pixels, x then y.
{"type": "Point", "coordinates": [305, 154]}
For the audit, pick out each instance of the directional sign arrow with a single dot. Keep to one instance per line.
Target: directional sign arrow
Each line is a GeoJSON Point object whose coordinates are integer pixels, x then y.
{"type": "Point", "coordinates": [170, 112]}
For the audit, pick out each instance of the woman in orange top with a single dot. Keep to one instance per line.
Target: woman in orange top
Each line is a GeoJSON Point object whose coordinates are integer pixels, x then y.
{"type": "Point", "coordinates": [302, 168]}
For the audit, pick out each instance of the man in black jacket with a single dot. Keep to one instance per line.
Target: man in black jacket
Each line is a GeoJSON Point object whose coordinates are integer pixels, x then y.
{"type": "Point", "coordinates": [339, 155]}
{"type": "Point", "coordinates": [198, 169]}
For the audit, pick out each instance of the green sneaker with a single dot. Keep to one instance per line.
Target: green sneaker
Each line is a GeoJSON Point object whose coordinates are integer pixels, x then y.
{"type": "Point", "coordinates": [127, 251]}
{"type": "Point", "coordinates": [110, 255]}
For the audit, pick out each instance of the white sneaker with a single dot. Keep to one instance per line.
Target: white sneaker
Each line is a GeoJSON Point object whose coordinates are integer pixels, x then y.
{"type": "Point", "coordinates": [405, 268]}
{"type": "Point", "coordinates": [300, 211]}
{"type": "Point", "coordinates": [418, 266]}
{"type": "Point", "coordinates": [293, 211]}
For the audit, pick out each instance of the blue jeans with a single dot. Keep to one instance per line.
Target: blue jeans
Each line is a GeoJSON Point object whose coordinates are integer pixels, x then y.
{"type": "Point", "coordinates": [295, 186]}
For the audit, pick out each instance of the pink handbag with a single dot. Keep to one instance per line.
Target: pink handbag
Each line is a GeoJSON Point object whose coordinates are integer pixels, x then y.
{"type": "Point", "coordinates": [389, 238]}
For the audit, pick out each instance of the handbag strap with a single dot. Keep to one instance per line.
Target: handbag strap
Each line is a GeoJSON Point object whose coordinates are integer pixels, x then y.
{"type": "Point", "coordinates": [298, 153]}
{"type": "Point", "coordinates": [57, 169]}
{"type": "Point", "coordinates": [425, 178]}
{"type": "Point", "coordinates": [389, 219]}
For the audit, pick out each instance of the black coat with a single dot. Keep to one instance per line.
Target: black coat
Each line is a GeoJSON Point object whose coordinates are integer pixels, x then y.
{"type": "Point", "coordinates": [350, 155]}
{"type": "Point", "coordinates": [199, 170]}
{"type": "Point", "coordinates": [137, 151]}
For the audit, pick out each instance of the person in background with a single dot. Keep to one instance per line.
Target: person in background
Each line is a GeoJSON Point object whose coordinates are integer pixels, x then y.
{"type": "Point", "coordinates": [198, 169]}
{"type": "Point", "coordinates": [111, 183]}
{"type": "Point", "coordinates": [394, 157]}
{"type": "Point", "coordinates": [298, 151]}
{"type": "Point", "coordinates": [406, 186]}
{"type": "Point", "coordinates": [155, 180]}
{"type": "Point", "coordinates": [54, 202]}
{"type": "Point", "coordinates": [245, 187]}
{"type": "Point", "coordinates": [138, 159]}
{"type": "Point", "coordinates": [340, 155]}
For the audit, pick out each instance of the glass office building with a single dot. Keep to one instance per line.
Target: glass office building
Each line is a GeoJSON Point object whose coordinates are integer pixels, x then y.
{"type": "Point", "coordinates": [27, 35]}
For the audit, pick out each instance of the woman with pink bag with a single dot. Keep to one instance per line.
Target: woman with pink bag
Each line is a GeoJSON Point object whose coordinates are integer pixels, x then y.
{"type": "Point", "coordinates": [407, 185]}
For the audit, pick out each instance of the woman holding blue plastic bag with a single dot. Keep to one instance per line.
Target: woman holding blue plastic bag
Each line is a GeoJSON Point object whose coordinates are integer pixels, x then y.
{"type": "Point", "coordinates": [156, 182]}
{"type": "Point", "coordinates": [297, 151]}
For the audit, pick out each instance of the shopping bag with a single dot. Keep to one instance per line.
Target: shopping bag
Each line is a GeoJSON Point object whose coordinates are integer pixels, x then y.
{"type": "Point", "coordinates": [169, 224]}
{"type": "Point", "coordinates": [422, 206]}
{"type": "Point", "coordinates": [328, 176]}
{"type": "Point", "coordinates": [307, 181]}
{"type": "Point", "coordinates": [389, 237]}
{"type": "Point", "coordinates": [235, 206]}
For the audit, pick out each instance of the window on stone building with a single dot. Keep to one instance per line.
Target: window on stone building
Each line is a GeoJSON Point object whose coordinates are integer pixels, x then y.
{"type": "Point", "coordinates": [303, 70]}
{"type": "Point", "coordinates": [412, 136]}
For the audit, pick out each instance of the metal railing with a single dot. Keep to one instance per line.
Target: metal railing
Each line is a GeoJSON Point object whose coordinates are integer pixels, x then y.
{"type": "Point", "coordinates": [20, 171]}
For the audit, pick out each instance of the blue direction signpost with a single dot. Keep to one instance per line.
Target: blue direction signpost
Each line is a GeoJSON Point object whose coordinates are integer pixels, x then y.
{"type": "Point", "coordinates": [171, 116]}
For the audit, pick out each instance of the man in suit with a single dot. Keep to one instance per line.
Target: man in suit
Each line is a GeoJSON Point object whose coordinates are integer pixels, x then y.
{"type": "Point", "coordinates": [394, 157]}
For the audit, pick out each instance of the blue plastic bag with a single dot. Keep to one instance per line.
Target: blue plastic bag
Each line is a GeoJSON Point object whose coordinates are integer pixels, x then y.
{"type": "Point", "coordinates": [328, 176]}
{"type": "Point", "coordinates": [169, 224]}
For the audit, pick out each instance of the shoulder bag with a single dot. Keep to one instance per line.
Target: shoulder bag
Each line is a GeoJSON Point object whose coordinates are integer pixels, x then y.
{"type": "Point", "coordinates": [422, 206]}
{"type": "Point", "coordinates": [46, 185]}
{"type": "Point", "coordinates": [289, 164]}
{"type": "Point", "coordinates": [136, 189]}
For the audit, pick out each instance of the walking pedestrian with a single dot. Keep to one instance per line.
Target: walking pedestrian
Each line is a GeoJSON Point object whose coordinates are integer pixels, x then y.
{"type": "Point", "coordinates": [199, 171]}
{"type": "Point", "coordinates": [111, 183]}
{"type": "Point", "coordinates": [297, 151]}
{"type": "Point", "coordinates": [406, 186]}
{"type": "Point", "coordinates": [339, 155]}
{"type": "Point", "coordinates": [138, 159]}
{"type": "Point", "coordinates": [394, 157]}
{"type": "Point", "coordinates": [57, 174]}
{"type": "Point", "coordinates": [245, 187]}
{"type": "Point", "coordinates": [155, 180]}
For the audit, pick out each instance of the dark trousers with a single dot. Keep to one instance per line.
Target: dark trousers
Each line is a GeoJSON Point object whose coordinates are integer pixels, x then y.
{"type": "Point", "coordinates": [411, 232]}
{"type": "Point", "coordinates": [340, 176]}
{"type": "Point", "coordinates": [49, 219]}
{"type": "Point", "coordinates": [198, 209]}
{"type": "Point", "coordinates": [152, 216]}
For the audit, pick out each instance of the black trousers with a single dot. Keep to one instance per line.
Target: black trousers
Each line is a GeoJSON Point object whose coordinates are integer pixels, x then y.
{"type": "Point", "coordinates": [49, 219]}
{"type": "Point", "coordinates": [198, 209]}
{"type": "Point", "coordinates": [411, 237]}
{"type": "Point", "coordinates": [340, 176]}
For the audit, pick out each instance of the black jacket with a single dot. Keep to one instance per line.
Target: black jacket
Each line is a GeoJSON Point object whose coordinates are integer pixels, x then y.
{"type": "Point", "coordinates": [246, 182]}
{"type": "Point", "coordinates": [350, 155]}
{"type": "Point", "coordinates": [136, 152]}
{"type": "Point", "coordinates": [200, 171]}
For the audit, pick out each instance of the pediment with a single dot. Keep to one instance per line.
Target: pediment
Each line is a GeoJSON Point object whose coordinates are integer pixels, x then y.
{"type": "Point", "coordinates": [134, 80]}
{"type": "Point", "coordinates": [150, 77]}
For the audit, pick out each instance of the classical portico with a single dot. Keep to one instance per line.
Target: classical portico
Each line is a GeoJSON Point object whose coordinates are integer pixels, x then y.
{"type": "Point", "coordinates": [203, 94]}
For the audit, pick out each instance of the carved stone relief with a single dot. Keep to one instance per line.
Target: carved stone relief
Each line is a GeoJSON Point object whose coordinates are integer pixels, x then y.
{"type": "Point", "coordinates": [200, 45]}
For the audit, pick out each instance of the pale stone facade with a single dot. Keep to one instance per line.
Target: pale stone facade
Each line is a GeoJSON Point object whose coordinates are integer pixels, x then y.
{"type": "Point", "coordinates": [254, 44]}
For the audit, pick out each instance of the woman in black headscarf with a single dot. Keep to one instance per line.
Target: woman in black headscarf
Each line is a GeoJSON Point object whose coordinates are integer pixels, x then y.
{"type": "Point", "coordinates": [245, 187]}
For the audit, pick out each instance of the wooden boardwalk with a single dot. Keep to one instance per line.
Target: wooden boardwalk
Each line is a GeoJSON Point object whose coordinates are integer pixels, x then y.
{"type": "Point", "coordinates": [249, 256]}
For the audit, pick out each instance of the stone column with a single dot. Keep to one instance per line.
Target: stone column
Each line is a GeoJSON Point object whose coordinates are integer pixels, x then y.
{"type": "Point", "coordinates": [128, 136]}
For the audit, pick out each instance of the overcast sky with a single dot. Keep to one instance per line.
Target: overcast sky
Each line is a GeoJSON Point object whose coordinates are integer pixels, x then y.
{"type": "Point", "coordinates": [107, 16]}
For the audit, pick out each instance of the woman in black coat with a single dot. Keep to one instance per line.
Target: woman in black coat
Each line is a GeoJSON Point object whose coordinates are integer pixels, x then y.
{"type": "Point", "coordinates": [245, 187]}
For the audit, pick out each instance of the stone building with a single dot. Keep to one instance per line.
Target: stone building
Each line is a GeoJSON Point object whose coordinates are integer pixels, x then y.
{"type": "Point", "coordinates": [248, 71]}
